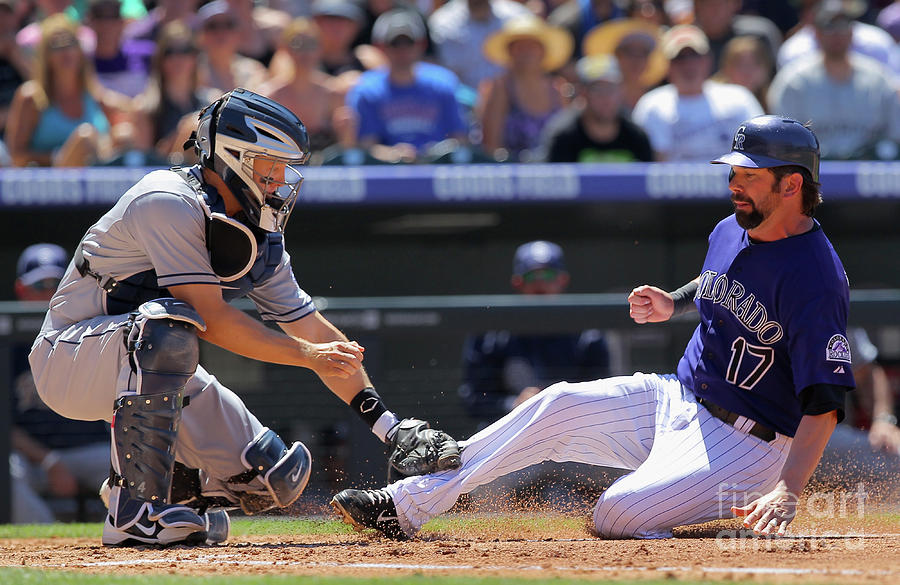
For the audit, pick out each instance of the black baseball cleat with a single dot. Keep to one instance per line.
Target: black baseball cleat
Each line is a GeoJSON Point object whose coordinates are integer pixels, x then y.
{"type": "Point", "coordinates": [134, 522]}
{"type": "Point", "coordinates": [369, 509]}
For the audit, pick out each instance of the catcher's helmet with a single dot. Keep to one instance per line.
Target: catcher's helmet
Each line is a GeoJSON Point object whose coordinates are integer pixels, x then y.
{"type": "Point", "coordinates": [253, 143]}
{"type": "Point", "coordinates": [773, 141]}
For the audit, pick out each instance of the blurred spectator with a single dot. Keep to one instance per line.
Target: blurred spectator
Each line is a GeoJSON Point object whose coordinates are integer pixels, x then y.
{"type": "Point", "coordinates": [131, 10]}
{"type": "Point", "coordinates": [502, 370]}
{"type": "Point", "coordinates": [594, 129]}
{"type": "Point", "coordinates": [14, 68]}
{"type": "Point", "coordinates": [867, 39]}
{"type": "Point", "coordinates": [782, 14]}
{"type": "Point", "coordinates": [294, 8]}
{"type": "Point", "coordinates": [720, 21]}
{"type": "Point", "coordinates": [56, 117]}
{"type": "Point", "coordinates": [580, 16]}
{"type": "Point", "coordinates": [339, 22]}
{"type": "Point", "coordinates": [410, 105]}
{"type": "Point", "coordinates": [866, 445]}
{"type": "Point", "coordinates": [121, 65]}
{"type": "Point", "coordinates": [693, 117]}
{"type": "Point", "coordinates": [652, 12]}
{"type": "Point", "coordinates": [221, 67]}
{"type": "Point", "coordinates": [746, 61]}
{"type": "Point", "coordinates": [166, 11]}
{"type": "Point", "coordinates": [516, 105]}
{"type": "Point", "coordinates": [308, 92]}
{"type": "Point", "coordinates": [851, 99]}
{"type": "Point", "coordinates": [375, 8]}
{"type": "Point", "coordinates": [636, 46]}
{"type": "Point", "coordinates": [29, 36]}
{"type": "Point", "coordinates": [459, 29]}
{"type": "Point", "coordinates": [259, 28]}
{"type": "Point", "coordinates": [167, 109]}
{"type": "Point", "coordinates": [889, 19]}
{"type": "Point", "coordinates": [51, 456]}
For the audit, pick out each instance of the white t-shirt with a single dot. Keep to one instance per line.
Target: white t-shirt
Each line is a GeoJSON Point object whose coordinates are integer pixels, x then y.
{"type": "Point", "coordinates": [849, 118]}
{"type": "Point", "coordinates": [694, 128]}
{"type": "Point", "coordinates": [868, 40]}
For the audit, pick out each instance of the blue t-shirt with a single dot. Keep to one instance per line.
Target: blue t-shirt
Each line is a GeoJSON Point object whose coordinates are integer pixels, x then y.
{"type": "Point", "coordinates": [54, 127]}
{"type": "Point", "coordinates": [422, 113]}
{"type": "Point", "coordinates": [773, 321]}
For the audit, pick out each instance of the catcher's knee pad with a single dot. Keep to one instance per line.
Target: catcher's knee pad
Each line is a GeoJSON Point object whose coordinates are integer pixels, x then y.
{"type": "Point", "coordinates": [163, 344]}
{"type": "Point", "coordinates": [283, 472]}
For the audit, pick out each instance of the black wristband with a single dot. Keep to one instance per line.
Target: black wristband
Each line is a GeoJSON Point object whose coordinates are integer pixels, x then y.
{"type": "Point", "coordinates": [367, 404]}
{"type": "Point", "coordinates": [684, 298]}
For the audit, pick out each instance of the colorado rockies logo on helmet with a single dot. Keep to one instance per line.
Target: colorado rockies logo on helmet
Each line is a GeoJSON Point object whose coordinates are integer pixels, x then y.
{"type": "Point", "coordinates": [739, 138]}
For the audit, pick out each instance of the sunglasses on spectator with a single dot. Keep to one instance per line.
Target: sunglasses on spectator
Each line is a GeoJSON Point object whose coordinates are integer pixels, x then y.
{"type": "Point", "coordinates": [303, 44]}
{"type": "Point", "coordinates": [401, 42]}
{"type": "Point", "coordinates": [180, 50]}
{"type": "Point", "coordinates": [686, 56]}
{"type": "Point", "coordinates": [837, 25]}
{"type": "Point", "coordinates": [215, 25]}
{"type": "Point", "coordinates": [634, 52]}
{"type": "Point", "coordinates": [540, 275]}
{"type": "Point", "coordinates": [61, 43]}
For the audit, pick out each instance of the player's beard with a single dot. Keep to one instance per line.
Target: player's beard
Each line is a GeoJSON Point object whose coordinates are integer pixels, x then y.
{"type": "Point", "coordinates": [748, 219]}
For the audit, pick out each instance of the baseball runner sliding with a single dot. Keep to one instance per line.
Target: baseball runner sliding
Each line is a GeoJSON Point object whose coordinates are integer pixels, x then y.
{"type": "Point", "coordinates": [740, 427]}
{"type": "Point", "coordinates": [154, 274]}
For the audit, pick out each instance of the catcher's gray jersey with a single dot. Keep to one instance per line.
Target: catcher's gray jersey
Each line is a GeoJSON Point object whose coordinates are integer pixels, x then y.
{"type": "Point", "coordinates": [79, 359]}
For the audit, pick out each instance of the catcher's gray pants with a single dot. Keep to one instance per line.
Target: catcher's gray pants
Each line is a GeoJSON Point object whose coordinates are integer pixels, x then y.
{"type": "Point", "coordinates": [80, 370]}
{"type": "Point", "coordinates": [689, 466]}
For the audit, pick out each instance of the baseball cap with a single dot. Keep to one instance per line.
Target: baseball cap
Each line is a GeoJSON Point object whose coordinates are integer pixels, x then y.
{"type": "Point", "coordinates": [398, 23]}
{"type": "Point", "coordinates": [598, 68]}
{"type": "Point", "coordinates": [684, 36]}
{"type": "Point", "coordinates": [214, 8]}
{"type": "Point", "coordinates": [536, 255]}
{"type": "Point", "coordinates": [341, 8]}
{"type": "Point", "coordinates": [830, 10]}
{"type": "Point", "coordinates": [41, 261]}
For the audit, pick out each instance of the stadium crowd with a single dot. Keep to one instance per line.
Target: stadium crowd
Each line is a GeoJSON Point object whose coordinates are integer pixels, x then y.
{"type": "Point", "coordinates": [120, 82]}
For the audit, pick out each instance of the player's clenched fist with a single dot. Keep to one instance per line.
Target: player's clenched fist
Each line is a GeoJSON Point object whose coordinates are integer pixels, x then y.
{"type": "Point", "coordinates": [649, 304]}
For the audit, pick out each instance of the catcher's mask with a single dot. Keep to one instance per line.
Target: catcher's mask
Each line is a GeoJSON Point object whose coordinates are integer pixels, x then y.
{"type": "Point", "coordinates": [254, 144]}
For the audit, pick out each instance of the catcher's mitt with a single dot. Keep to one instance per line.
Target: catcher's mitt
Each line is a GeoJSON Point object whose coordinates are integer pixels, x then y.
{"type": "Point", "coordinates": [417, 449]}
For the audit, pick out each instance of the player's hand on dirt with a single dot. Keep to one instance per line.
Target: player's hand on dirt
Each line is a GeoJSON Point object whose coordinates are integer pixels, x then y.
{"type": "Point", "coordinates": [336, 359]}
{"type": "Point", "coordinates": [649, 304]}
{"type": "Point", "coordinates": [60, 481]}
{"type": "Point", "coordinates": [885, 436]}
{"type": "Point", "coordinates": [771, 513]}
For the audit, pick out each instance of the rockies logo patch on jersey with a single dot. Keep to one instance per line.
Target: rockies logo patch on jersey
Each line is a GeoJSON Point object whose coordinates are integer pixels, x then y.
{"type": "Point", "coordinates": [838, 349]}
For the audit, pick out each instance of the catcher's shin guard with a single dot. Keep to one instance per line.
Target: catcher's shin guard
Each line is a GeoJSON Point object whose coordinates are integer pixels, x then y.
{"type": "Point", "coordinates": [164, 352]}
{"type": "Point", "coordinates": [283, 472]}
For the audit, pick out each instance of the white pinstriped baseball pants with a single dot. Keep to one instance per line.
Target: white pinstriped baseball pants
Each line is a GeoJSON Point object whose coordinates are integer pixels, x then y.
{"type": "Point", "coordinates": [689, 466]}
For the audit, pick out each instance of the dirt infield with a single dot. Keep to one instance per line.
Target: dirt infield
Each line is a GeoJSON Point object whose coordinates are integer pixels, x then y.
{"type": "Point", "coordinates": [860, 550]}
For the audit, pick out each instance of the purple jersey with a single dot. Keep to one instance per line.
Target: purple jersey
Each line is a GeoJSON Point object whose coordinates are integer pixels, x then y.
{"type": "Point", "coordinates": [773, 321]}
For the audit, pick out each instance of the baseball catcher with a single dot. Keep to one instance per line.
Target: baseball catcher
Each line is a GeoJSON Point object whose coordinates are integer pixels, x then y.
{"type": "Point", "coordinates": [155, 275]}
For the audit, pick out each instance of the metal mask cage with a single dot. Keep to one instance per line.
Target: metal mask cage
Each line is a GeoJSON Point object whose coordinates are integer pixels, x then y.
{"type": "Point", "coordinates": [276, 183]}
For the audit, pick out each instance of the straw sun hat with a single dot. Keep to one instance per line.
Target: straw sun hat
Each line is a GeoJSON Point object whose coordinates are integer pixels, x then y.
{"type": "Point", "coordinates": [604, 39]}
{"type": "Point", "coordinates": [558, 43]}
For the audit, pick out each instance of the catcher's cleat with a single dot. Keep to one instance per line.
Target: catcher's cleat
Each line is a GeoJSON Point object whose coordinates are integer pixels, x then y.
{"type": "Point", "coordinates": [369, 509]}
{"type": "Point", "coordinates": [133, 522]}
